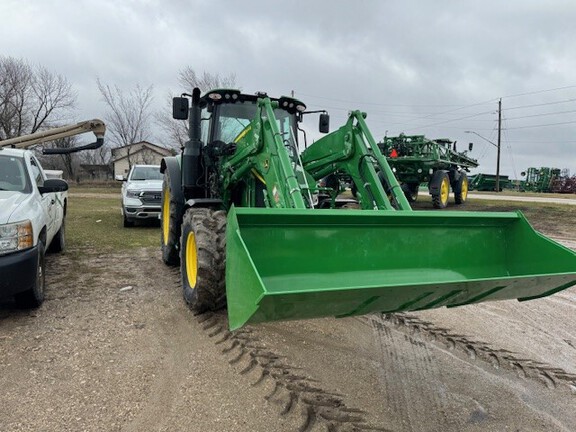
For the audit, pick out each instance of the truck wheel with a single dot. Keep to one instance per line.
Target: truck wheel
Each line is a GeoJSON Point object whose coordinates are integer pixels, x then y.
{"type": "Point", "coordinates": [203, 258]}
{"type": "Point", "coordinates": [440, 199]}
{"type": "Point", "coordinates": [34, 297]}
{"type": "Point", "coordinates": [170, 217]}
{"type": "Point", "coordinates": [127, 222]}
{"type": "Point", "coordinates": [411, 191]}
{"type": "Point", "coordinates": [461, 189]}
{"type": "Point", "coordinates": [59, 241]}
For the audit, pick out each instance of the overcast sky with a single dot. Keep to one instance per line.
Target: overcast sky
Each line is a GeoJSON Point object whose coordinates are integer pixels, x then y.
{"type": "Point", "coordinates": [420, 67]}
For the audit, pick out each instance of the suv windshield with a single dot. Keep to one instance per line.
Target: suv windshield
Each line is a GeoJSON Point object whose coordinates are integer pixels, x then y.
{"type": "Point", "coordinates": [13, 174]}
{"type": "Point", "coordinates": [151, 172]}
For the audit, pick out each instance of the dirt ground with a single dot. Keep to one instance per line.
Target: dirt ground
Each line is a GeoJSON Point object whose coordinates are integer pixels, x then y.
{"type": "Point", "coordinates": [114, 348]}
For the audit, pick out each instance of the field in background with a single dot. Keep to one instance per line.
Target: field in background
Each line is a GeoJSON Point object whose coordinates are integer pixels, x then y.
{"type": "Point", "coordinates": [94, 220]}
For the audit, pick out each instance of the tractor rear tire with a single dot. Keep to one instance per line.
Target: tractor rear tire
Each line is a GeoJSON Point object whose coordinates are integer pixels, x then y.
{"type": "Point", "coordinates": [440, 199]}
{"type": "Point", "coordinates": [170, 218]}
{"type": "Point", "coordinates": [461, 189]}
{"type": "Point", "coordinates": [203, 259]}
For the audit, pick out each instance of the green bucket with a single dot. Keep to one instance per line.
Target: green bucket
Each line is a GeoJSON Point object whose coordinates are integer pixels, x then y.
{"type": "Point", "coordinates": [284, 264]}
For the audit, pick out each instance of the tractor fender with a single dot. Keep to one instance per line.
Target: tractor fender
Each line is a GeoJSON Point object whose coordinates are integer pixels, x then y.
{"type": "Point", "coordinates": [171, 165]}
{"type": "Point", "coordinates": [435, 181]}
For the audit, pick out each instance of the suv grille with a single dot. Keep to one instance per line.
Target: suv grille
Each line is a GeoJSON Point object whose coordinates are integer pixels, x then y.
{"type": "Point", "coordinates": [151, 197]}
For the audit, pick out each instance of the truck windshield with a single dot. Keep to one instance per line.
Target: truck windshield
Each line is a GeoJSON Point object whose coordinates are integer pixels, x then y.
{"type": "Point", "coordinates": [13, 174]}
{"type": "Point", "coordinates": [151, 172]}
{"type": "Point", "coordinates": [233, 120]}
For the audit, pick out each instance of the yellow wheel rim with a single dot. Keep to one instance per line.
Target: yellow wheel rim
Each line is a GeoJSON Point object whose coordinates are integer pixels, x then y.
{"type": "Point", "coordinates": [191, 260]}
{"type": "Point", "coordinates": [166, 216]}
{"type": "Point", "coordinates": [464, 191]}
{"type": "Point", "coordinates": [444, 190]}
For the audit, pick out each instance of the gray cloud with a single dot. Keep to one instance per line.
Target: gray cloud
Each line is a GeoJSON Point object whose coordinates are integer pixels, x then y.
{"type": "Point", "coordinates": [434, 68]}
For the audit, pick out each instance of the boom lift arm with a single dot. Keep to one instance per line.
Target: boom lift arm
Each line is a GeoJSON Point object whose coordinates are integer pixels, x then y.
{"type": "Point", "coordinates": [96, 126]}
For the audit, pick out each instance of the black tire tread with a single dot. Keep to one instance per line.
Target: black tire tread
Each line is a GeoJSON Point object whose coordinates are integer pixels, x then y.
{"type": "Point", "coordinates": [458, 198]}
{"type": "Point", "coordinates": [58, 243]}
{"type": "Point", "coordinates": [209, 227]}
{"type": "Point", "coordinates": [34, 297]}
{"type": "Point", "coordinates": [170, 251]}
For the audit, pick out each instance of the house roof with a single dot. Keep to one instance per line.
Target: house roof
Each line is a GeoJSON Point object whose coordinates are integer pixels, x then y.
{"type": "Point", "coordinates": [143, 144]}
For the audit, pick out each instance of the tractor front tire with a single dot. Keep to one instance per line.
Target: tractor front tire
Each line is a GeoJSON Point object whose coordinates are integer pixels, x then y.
{"type": "Point", "coordinates": [461, 189]}
{"type": "Point", "coordinates": [170, 218]}
{"type": "Point", "coordinates": [203, 258]}
{"type": "Point", "coordinates": [440, 199]}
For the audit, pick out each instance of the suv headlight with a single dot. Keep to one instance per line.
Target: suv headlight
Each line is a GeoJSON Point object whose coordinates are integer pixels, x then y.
{"type": "Point", "coordinates": [16, 236]}
{"type": "Point", "coordinates": [133, 193]}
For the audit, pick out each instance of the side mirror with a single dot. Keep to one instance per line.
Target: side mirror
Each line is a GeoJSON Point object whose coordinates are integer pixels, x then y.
{"type": "Point", "coordinates": [180, 107]}
{"type": "Point", "coordinates": [470, 146]}
{"type": "Point", "coordinates": [53, 185]}
{"type": "Point", "coordinates": [324, 123]}
{"type": "Point", "coordinates": [120, 177]}
{"type": "Point", "coordinates": [523, 173]}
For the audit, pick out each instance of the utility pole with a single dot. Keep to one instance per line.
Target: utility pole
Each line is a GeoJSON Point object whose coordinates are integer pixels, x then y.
{"type": "Point", "coordinates": [499, 134]}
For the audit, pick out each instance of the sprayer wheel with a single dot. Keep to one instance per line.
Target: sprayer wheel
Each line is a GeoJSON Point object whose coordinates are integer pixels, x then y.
{"type": "Point", "coordinates": [170, 216]}
{"type": "Point", "coordinates": [410, 191]}
{"type": "Point", "coordinates": [461, 189]}
{"type": "Point", "coordinates": [440, 200]}
{"type": "Point", "coordinates": [203, 258]}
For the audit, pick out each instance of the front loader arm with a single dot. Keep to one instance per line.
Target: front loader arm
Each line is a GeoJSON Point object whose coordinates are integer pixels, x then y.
{"type": "Point", "coordinates": [260, 151]}
{"type": "Point", "coordinates": [353, 151]}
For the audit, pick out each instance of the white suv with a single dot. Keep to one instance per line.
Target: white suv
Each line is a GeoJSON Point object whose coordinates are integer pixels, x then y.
{"type": "Point", "coordinates": [141, 193]}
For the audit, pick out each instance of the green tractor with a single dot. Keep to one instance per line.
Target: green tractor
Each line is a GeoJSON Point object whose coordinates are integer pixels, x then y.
{"type": "Point", "coordinates": [416, 159]}
{"type": "Point", "coordinates": [242, 218]}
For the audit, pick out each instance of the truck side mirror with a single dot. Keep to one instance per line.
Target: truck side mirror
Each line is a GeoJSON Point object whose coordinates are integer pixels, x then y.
{"type": "Point", "coordinates": [180, 107]}
{"type": "Point", "coordinates": [470, 146]}
{"type": "Point", "coordinates": [53, 185]}
{"type": "Point", "coordinates": [324, 123]}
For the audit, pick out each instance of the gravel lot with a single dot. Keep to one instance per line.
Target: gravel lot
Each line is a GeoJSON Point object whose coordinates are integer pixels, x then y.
{"type": "Point", "coordinates": [114, 348]}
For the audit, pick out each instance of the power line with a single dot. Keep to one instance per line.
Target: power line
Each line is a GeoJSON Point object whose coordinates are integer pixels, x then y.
{"type": "Point", "coordinates": [542, 104]}
{"type": "Point", "coordinates": [375, 103]}
{"type": "Point", "coordinates": [543, 125]}
{"type": "Point", "coordinates": [542, 114]}
{"type": "Point", "coordinates": [540, 91]}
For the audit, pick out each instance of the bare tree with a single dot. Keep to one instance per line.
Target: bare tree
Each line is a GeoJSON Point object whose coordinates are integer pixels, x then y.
{"type": "Point", "coordinates": [31, 98]}
{"type": "Point", "coordinates": [177, 130]}
{"type": "Point", "coordinates": [188, 79]}
{"type": "Point", "coordinates": [128, 116]}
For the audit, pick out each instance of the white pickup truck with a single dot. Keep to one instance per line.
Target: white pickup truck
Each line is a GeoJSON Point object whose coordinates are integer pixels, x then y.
{"type": "Point", "coordinates": [32, 215]}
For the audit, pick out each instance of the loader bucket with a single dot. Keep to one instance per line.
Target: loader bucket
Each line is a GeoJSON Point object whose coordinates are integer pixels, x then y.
{"type": "Point", "coordinates": [284, 264]}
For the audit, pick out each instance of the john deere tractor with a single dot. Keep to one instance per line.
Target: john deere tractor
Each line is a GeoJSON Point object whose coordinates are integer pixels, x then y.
{"type": "Point", "coordinates": [241, 216]}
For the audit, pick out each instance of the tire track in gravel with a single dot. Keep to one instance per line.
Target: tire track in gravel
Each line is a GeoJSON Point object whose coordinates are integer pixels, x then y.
{"type": "Point", "coordinates": [294, 391]}
{"type": "Point", "coordinates": [169, 373]}
{"type": "Point", "coordinates": [412, 391]}
{"type": "Point", "coordinates": [552, 377]}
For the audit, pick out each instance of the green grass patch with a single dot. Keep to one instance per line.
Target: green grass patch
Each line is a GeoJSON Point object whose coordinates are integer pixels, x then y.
{"type": "Point", "coordinates": [95, 223]}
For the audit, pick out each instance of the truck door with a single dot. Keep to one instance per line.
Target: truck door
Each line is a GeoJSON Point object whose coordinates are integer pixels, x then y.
{"type": "Point", "coordinates": [48, 201]}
